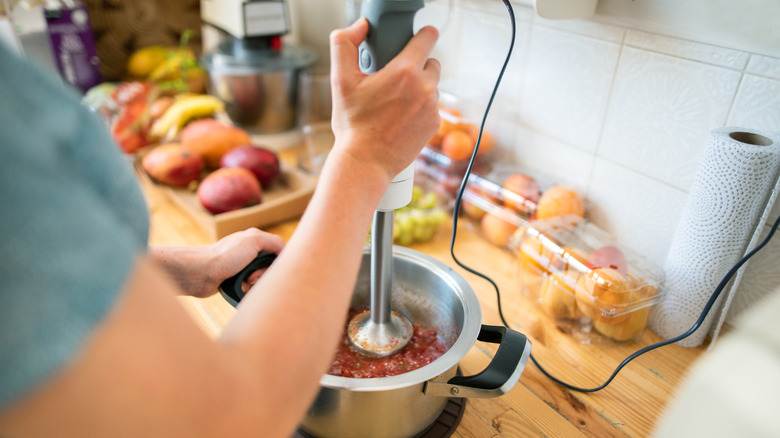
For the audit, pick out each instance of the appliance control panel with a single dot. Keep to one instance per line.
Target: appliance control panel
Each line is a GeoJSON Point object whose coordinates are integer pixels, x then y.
{"type": "Point", "coordinates": [247, 18]}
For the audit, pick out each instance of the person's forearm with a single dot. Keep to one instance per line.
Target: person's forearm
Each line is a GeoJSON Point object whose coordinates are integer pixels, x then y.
{"type": "Point", "coordinates": [186, 265]}
{"type": "Point", "coordinates": [312, 283]}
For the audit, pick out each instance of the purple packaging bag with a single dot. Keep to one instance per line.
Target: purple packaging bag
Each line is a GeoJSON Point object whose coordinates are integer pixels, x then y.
{"type": "Point", "coordinates": [73, 46]}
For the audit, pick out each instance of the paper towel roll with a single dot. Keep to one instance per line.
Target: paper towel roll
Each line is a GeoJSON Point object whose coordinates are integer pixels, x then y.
{"type": "Point", "coordinates": [731, 196]}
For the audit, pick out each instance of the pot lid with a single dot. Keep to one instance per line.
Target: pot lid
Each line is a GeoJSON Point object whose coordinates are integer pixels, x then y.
{"type": "Point", "coordinates": [233, 57]}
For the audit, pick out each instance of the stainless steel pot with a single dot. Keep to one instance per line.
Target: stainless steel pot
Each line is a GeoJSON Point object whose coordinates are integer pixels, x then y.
{"type": "Point", "coordinates": [259, 86]}
{"type": "Point", "coordinates": [428, 292]}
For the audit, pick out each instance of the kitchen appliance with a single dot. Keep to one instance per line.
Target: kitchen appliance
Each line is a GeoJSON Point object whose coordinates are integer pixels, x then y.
{"type": "Point", "coordinates": [401, 282]}
{"type": "Point", "coordinates": [250, 67]}
{"type": "Point", "coordinates": [380, 331]}
{"type": "Point", "coordinates": [434, 295]}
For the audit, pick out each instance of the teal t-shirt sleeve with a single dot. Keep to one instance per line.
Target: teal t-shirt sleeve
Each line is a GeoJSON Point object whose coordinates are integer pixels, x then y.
{"type": "Point", "coordinates": [73, 221]}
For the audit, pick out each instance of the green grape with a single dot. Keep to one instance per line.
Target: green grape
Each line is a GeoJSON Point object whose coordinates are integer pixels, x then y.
{"type": "Point", "coordinates": [427, 201]}
{"type": "Point", "coordinates": [424, 233]}
{"type": "Point", "coordinates": [417, 192]}
{"type": "Point", "coordinates": [405, 238]}
{"type": "Point", "coordinates": [437, 216]}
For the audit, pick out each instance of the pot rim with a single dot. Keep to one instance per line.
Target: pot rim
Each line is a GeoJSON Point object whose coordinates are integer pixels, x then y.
{"type": "Point", "coordinates": [472, 321]}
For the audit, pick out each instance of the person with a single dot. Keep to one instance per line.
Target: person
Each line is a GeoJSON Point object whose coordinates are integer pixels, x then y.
{"type": "Point", "coordinates": [93, 340]}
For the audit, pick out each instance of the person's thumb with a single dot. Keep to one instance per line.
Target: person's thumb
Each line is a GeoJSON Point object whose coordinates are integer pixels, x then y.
{"type": "Point", "coordinates": [344, 48]}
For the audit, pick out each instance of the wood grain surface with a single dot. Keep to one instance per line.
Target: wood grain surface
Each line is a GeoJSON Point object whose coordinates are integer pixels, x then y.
{"type": "Point", "coordinates": [630, 406]}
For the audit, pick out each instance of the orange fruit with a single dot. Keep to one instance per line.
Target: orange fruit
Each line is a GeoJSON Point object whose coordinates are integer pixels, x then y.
{"type": "Point", "coordinates": [449, 120]}
{"type": "Point", "coordinates": [560, 201]}
{"type": "Point", "coordinates": [487, 143]}
{"type": "Point", "coordinates": [457, 145]}
{"type": "Point", "coordinates": [453, 112]}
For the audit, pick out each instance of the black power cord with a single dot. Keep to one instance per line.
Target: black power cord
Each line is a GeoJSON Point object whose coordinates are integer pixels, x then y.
{"type": "Point", "coordinates": [708, 306]}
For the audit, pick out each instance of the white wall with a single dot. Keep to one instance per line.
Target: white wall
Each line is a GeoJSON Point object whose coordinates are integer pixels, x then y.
{"type": "Point", "coordinates": [618, 105]}
{"type": "Point", "coordinates": [312, 21]}
{"type": "Point", "coordinates": [616, 111]}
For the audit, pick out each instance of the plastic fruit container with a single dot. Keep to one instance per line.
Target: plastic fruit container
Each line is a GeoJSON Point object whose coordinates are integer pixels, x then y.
{"type": "Point", "coordinates": [451, 148]}
{"type": "Point", "coordinates": [581, 277]}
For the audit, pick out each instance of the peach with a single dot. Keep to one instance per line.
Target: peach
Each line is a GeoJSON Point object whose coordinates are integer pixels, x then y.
{"type": "Point", "coordinates": [497, 230]}
{"type": "Point", "coordinates": [560, 201]}
{"type": "Point", "coordinates": [630, 328]}
{"type": "Point", "coordinates": [605, 294]}
{"type": "Point", "coordinates": [526, 190]}
{"type": "Point", "coordinates": [535, 263]}
{"type": "Point", "coordinates": [557, 298]}
{"type": "Point", "coordinates": [470, 209]}
{"type": "Point", "coordinates": [608, 256]}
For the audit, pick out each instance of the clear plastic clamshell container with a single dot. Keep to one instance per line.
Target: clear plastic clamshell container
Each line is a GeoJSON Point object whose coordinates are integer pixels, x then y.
{"type": "Point", "coordinates": [580, 277]}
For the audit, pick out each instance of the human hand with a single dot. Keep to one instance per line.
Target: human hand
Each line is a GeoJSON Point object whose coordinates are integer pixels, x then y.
{"type": "Point", "coordinates": [199, 270]}
{"type": "Point", "coordinates": [384, 118]}
{"type": "Point", "coordinates": [235, 251]}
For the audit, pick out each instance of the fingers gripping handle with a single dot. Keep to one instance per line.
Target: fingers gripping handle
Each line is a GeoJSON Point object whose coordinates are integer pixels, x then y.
{"type": "Point", "coordinates": [390, 27]}
{"type": "Point", "coordinates": [231, 287]}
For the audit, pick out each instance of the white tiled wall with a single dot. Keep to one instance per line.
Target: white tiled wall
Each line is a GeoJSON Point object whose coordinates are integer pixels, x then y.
{"type": "Point", "coordinates": [621, 114]}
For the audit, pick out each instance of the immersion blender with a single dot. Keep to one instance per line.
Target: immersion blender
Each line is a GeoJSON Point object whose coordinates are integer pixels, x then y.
{"type": "Point", "coordinates": [380, 331]}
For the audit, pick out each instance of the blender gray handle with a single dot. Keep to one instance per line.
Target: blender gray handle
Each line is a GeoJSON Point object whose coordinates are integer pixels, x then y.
{"type": "Point", "coordinates": [231, 287]}
{"type": "Point", "coordinates": [500, 375]}
{"type": "Point", "coordinates": [390, 28]}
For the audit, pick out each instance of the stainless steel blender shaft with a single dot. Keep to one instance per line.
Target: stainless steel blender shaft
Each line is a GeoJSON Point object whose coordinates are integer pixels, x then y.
{"type": "Point", "coordinates": [381, 266]}
{"type": "Point", "coordinates": [380, 331]}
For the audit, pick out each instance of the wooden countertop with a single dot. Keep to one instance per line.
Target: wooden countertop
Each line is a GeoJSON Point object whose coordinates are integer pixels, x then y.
{"type": "Point", "coordinates": [630, 406]}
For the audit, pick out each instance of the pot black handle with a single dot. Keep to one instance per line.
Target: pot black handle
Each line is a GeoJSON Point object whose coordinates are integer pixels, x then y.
{"type": "Point", "coordinates": [231, 288]}
{"type": "Point", "coordinates": [501, 374]}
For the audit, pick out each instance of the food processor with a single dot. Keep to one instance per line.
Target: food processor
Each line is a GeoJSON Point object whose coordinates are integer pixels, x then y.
{"type": "Point", "coordinates": [252, 69]}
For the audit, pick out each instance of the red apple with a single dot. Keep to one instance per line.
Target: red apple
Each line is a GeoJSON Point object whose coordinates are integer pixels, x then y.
{"type": "Point", "coordinates": [608, 256]}
{"type": "Point", "coordinates": [228, 189]}
{"type": "Point", "coordinates": [262, 162]}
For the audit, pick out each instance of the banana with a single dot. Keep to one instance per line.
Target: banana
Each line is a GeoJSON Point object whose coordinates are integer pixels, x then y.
{"type": "Point", "coordinates": [184, 109]}
{"type": "Point", "coordinates": [144, 61]}
{"type": "Point", "coordinates": [177, 62]}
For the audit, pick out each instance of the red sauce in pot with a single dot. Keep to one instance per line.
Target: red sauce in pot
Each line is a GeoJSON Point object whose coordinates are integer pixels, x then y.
{"type": "Point", "coordinates": [423, 348]}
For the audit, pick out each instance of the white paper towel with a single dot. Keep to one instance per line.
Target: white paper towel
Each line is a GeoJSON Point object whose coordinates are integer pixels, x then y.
{"type": "Point", "coordinates": [735, 186]}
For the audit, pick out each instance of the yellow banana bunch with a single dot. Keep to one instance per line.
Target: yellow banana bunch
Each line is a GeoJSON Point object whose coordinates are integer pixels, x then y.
{"type": "Point", "coordinates": [144, 61]}
{"type": "Point", "coordinates": [171, 68]}
{"type": "Point", "coordinates": [184, 109]}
